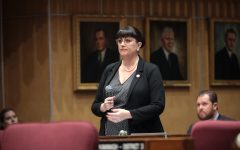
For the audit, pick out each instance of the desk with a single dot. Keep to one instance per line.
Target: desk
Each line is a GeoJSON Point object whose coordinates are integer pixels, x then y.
{"type": "Point", "coordinates": [172, 142]}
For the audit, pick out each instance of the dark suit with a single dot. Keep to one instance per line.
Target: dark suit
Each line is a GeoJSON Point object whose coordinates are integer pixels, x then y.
{"type": "Point", "coordinates": [226, 68]}
{"type": "Point", "coordinates": [146, 98]}
{"type": "Point", "coordinates": [93, 68]}
{"type": "Point", "coordinates": [168, 68]}
{"type": "Point", "coordinates": [220, 117]}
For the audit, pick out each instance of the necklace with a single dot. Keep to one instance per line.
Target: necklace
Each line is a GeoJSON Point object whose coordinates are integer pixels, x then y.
{"type": "Point", "coordinates": [131, 68]}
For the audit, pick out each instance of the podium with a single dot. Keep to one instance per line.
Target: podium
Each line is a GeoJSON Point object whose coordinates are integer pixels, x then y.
{"type": "Point", "coordinates": [146, 142]}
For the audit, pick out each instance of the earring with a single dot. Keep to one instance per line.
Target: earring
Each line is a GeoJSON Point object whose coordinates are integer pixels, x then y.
{"type": "Point", "coordinates": [137, 49]}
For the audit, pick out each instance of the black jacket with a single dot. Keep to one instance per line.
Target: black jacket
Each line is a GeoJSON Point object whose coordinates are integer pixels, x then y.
{"type": "Point", "coordinates": [146, 98]}
{"type": "Point", "coordinates": [226, 68]}
{"type": "Point", "coordinates": [93, 69]}
{"type": "Point", "coordinates": [169, 71]}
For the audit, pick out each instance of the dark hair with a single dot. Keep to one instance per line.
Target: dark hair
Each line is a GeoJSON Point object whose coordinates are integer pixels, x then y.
{"type": "Point", "coordinates": [101, 29]}
{"type": "Point", "coordinates": [3, 112]}
{"type": "Point", "coordinates": [130, 31]}
{"type": "Point", "coordinates": [230, 30]}
{"type": "Point", "coordinates": [212, 95]}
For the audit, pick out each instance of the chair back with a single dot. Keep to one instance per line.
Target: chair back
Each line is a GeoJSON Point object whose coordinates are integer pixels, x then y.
{"type": "Point", "coordinates": [51, 136]}
{"type": "Point", "coordinates": [215, 135]}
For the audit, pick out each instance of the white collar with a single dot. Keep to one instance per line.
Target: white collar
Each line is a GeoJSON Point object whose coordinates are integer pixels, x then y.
{"type": "Point", "coordinates": [166, 53]}
{"type": "Point", "coordinates": [216, 116]}
{"type": "Point", "coordinates": [229, 52]}
{"type": "Point", "coordinates": [103, 52]}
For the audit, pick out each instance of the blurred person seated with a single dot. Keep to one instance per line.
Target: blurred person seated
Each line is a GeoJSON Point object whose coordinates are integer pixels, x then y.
{"type": "Point", "coordinates": [8, 116]}
{"type": "Point", "coordinates": [207, 108]}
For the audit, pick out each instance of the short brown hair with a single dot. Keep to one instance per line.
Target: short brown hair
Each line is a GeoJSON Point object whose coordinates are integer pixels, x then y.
{"type": "Point", "coordinates": [212, 95]}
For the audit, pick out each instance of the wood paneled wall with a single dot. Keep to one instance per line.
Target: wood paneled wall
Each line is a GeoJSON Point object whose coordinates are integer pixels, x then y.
{"type": "Point", "coordinates": [38, 56]}
{"type": "Point", "coordinates": [26, 59]}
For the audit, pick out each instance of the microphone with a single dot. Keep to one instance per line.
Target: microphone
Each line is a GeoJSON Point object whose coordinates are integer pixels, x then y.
{"type": "Point", "coordinates": [109, 91]}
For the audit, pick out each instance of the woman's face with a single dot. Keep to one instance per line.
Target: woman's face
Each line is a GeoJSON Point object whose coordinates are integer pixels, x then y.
{"type": "Point", "coordinates": [128, 46]}
{"type": "Point", "coordinates": [10, 117]}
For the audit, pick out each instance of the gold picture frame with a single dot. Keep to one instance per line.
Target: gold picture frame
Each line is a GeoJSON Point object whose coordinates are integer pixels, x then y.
{"type": "Point", "coordinates": [181, 53]}
{"type": "Point", "coordinates": [222, 70]}
{"type": "Point", "coordinates": [84, 28]}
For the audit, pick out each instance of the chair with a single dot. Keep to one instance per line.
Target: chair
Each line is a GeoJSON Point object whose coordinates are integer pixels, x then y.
{"type": "Point", "coordinates": [215, 135]}
{"type": "Point", "coordinates": [51, 136]}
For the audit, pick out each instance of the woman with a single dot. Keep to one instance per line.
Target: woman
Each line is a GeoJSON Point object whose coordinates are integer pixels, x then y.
{"type": "Point", "coordinates": [7, 117]}
{"type": "Point", "coordinates": [130, 96]}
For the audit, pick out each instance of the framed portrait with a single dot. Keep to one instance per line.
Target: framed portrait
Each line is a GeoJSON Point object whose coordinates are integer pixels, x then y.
{"type": "Point", "coordinates": [168, 48]}
{"type": "Point", "coordinates": [224, 52]}
{"type": "Point", "coordinates": [94, 48]}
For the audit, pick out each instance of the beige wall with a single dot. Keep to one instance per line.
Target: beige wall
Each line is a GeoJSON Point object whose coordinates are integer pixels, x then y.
{"type": "Point", "coordinates": [26, 59]}
{"type": "Point", "coordinates": [40, 85]}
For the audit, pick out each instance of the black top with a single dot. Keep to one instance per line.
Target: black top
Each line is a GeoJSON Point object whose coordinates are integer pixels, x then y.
{"type": "Point", "coordinates": [120, 91]}
{"type": "Point", "coordinates": [226, 67]}
{"type": "Point", "coordinates": [168, 68]}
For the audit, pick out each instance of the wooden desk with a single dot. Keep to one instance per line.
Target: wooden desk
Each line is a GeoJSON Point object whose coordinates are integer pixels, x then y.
{"type": "Point", "coordinates": [172, 142]}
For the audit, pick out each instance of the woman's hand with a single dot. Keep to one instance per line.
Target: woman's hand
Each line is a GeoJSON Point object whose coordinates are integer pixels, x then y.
{"type": "Point", "coordinates": [118, 115]}
{"type": "Point", "coordinates": [107, 104]}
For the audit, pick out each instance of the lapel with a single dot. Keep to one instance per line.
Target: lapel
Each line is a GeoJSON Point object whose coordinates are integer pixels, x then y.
{"type": "Point", "coordinates": [162, 56]}
{"type": "Point", "coordinates": [106, 57]}
{"type": "Point", "coordinates": [112, 72]}
{"type": "Point", "coordinates": [139, 73]}
{"type": "Point", "coordinates": [226, 54]}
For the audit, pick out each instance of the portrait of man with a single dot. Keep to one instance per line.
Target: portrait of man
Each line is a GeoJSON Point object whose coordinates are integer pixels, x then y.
{"type": "Point", "coordinates": [169, 49]}
{"type": "Point", "coordinates": [97, 54]}
{"type": "Point", "coordinates": [226, 60]}
{"type": "Point", "coordinates": [165, 58]}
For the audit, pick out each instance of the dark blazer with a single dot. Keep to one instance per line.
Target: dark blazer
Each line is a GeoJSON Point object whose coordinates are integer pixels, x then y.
{"type": "Point", "coordinates": [93, 69]}
{"type": "Point", "coordinates": [146, 98]}
{"type": "Point", "coordinates": [169, 71]}
{"type": "Point", "coordinates": [220, 117]}
{"type": "Point", "coordinates": [226, 68]}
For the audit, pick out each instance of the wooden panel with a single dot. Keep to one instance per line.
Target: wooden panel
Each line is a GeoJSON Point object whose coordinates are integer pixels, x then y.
{"type": "Point", "coordinates": [125, 7]}
{"type": "Point", "coordinates": [68, 105]}
{"type": "Point", "coordinates": [172, 8]}
{"type": "Point", "coordinates": [157, 8]}
{"type": "Point", "coordinates": [26, 68]}
{"type": "Point", "coordinates": [147, 143]}
{"type": "Point", "coordinates": [237, 10]}
{"type": "Point", "coordinates": [25, 7]}
{"type": "Point", "coordinates": [75, 6]}
{"type": "Point", "coordinates": [222, 9]}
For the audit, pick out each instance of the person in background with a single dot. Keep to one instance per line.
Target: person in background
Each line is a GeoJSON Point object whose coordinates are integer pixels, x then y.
{"type": "Point", "coordinates": [207, 107]}
{"type": "Point", "coordinates": [99, 59]}
{"type": "Point", "coordinates": [165, 59]}
{"type": "Point", "coordinates": [130, 96]}
{"type": "Point", "coordinates": [226, 61]}
{"type": "Point", "coordinates": [8, 116]}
